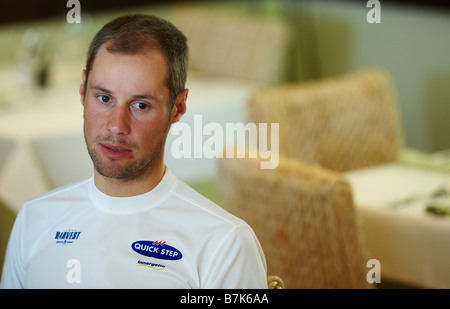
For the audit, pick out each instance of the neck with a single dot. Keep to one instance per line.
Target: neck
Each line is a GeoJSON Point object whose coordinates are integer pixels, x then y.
{"type": "Point", "coordinates": [130, 186]}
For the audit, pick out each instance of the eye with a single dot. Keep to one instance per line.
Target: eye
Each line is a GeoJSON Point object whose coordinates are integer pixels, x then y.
{"type": "Point", "coordinates": [104, 98]}
{"type": "Point", "coordinates": [140, 105]}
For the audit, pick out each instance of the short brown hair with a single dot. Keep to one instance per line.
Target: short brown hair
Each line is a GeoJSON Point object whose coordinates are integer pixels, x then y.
{"type": "Point", "coordinates": [135, 33]}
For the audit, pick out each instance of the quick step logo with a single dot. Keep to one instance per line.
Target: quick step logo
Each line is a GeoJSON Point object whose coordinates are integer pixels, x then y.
{"type": "Point", "coordinates": [156, 249]}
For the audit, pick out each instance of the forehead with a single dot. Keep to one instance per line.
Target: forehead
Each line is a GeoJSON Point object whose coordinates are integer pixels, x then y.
{"type": "Point", "coordinates": [138, 70]}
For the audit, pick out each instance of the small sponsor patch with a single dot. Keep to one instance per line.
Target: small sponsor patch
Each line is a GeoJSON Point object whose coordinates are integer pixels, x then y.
{"type": "Point", "coordinates": [66, 236]}
{"type": "Point", "coordinates": [156, 266]}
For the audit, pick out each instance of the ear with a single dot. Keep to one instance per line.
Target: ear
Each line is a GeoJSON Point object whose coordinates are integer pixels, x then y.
{"type": "Point", "coordinates": [179, 108]}
{"type": "Point", "coordinates": [82, 86]}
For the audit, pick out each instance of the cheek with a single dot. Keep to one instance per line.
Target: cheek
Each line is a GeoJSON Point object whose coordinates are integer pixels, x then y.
{"type": "Point", "coordinates": [155, 121]}
{"type": "Point", "coordinates": [92, 121]}
{"type": "Point", "coordinates": [148, 131]}
{"type": "Point", "coordinates": [151, 131]}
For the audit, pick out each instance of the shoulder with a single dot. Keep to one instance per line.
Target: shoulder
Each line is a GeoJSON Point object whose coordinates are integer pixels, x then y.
{"type": "Point", "coordinates": [58, 197]}
{"type": "Point", "coordinates": [67, 189]}
{"type": "Point", "coordinates": [37, 216]}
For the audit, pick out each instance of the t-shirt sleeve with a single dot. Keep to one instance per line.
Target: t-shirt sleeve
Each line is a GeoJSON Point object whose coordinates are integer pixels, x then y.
{"type": "Point", "coordinates": [238, 263]}
{"type": "Point", "coordinates": [14, 272]}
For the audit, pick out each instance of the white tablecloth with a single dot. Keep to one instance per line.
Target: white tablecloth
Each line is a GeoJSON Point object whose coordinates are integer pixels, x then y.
{"type": "Point", "coordinates": [42, 145]}
{"type": "Point", "coordinates": [413, 246]}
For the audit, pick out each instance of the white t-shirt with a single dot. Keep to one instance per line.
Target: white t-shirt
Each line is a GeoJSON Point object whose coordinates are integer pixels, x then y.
{"type": "Point", "coordinates": [170, 237]}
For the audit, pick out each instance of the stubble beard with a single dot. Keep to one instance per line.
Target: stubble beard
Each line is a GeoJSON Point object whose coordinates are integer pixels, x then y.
{"type": "Point", "coordinates": [133, 170]}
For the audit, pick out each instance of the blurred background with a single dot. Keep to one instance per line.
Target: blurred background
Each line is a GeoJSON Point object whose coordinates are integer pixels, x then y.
{"type": "Point", "coordinates": [329, 37]}
{"type": "Point", "coordinates": [236, 47]}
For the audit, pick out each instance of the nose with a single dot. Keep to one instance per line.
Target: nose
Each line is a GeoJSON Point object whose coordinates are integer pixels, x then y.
{"type": "Point", "coordinates": [119, 121]}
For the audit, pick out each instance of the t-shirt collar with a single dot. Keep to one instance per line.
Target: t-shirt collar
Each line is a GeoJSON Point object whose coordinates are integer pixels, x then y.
{"type": "Point", "coordinates": [132, 204]}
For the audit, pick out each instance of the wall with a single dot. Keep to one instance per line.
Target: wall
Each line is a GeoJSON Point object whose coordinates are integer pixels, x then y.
{"type": "Point", "coordinates": [411, 42]}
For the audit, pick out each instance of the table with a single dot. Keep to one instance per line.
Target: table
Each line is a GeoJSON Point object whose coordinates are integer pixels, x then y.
{"type": "Point", "coordinates": [42, 146]}
{"type": "Point", "coordinates": [411, 244]}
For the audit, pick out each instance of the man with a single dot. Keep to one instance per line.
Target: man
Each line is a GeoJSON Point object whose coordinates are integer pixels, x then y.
{"type": "Point", "coordinates": [133, 224]}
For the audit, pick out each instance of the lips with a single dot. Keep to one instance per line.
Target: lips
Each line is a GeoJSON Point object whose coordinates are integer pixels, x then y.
{"type": "Point", "coordinates": [115, 151]}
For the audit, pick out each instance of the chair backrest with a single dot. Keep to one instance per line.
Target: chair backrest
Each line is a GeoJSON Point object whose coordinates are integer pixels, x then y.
{"type": "Point", "coordinates": [303, 217]}
{"type": "Point", "coordinates": [342, 123]}
{"type": "Point", "coordinates": [232, 44]}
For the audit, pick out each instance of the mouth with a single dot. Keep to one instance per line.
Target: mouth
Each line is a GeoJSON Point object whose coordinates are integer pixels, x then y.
{"type": "Point", "coordinates": [119, 149]}
{"type": "Point", "coordinates": [115, 151]}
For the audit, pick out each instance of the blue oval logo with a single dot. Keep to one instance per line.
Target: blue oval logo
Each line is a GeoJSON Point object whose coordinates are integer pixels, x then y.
{"type": "Point", "coordinates": [156, 249]}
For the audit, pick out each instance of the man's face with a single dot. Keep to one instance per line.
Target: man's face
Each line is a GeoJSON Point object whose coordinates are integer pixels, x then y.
{"type": "Point", "coordinates": [126, 113]}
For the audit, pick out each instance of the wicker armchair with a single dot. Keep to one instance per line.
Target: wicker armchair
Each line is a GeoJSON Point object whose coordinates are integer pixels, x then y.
{"type": "Point", "coordinates": [342, 123]}
{"type": "Point", "coordinates": [229, 44]}
{"type": "Point", "coordinates": [303, 211]}
{"type": "Point", "coordinates": [304, 218]}
{"type": "Point", "coordinates": [275, 283]}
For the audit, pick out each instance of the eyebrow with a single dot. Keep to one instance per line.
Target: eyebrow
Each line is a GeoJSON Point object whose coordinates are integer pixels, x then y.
{"type": "Point", "coordinates": [136, 96]}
